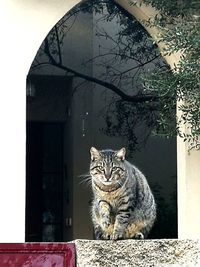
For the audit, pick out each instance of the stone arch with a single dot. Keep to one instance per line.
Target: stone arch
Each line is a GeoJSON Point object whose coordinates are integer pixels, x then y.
{"type": "Point", "coordinates": [140, 12]}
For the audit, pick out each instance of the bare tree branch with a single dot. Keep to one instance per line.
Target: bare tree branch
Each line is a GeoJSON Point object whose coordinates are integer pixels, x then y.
{"type": "Point", "coordinates": [130, 98]}
{"type": "Point", "coordinates": [58, 44]}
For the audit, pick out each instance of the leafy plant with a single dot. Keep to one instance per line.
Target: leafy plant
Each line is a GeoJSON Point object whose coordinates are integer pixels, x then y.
{"type": "Point", "coordinates": [179, 25]}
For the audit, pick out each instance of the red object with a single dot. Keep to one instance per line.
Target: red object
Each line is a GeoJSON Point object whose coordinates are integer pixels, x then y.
{"type": "Point", "coordinates": [37, 255]}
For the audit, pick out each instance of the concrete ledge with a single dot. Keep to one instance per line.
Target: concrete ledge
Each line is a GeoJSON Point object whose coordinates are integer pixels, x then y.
{"type": "Point", "coordinates": [132, 253]}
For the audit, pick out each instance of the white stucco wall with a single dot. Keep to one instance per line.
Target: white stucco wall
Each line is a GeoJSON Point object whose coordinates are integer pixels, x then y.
{"type": "Point", "coordinates": [24, 25]}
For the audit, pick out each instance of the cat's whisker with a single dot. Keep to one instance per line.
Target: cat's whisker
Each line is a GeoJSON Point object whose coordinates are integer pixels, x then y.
{"type": "Point", "coordinates": [85, 182]}
{"type": "Point", "coordinates": [120, 184]}
{"type": "Point", "coordinates": [86, 179]}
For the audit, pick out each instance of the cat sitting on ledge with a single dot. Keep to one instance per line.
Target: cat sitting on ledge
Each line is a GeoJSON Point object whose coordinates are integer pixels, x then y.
{"type": "Point", "coordinates": [123, 205]}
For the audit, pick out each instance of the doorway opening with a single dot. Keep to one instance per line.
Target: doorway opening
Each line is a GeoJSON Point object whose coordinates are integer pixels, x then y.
{"type": "Point", "coordinates": [45, 183]}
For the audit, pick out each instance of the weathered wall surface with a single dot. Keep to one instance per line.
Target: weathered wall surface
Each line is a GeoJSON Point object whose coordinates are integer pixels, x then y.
{"type": "Point", "coordinates": [132, 253]}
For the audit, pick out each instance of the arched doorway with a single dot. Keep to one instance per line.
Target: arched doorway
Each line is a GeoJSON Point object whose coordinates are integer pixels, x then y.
{"type": "Point", "coordinates": [61, 133]}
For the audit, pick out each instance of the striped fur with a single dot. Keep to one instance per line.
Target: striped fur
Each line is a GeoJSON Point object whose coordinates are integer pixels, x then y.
{"type": "Point", "coordinates": [123, 205]}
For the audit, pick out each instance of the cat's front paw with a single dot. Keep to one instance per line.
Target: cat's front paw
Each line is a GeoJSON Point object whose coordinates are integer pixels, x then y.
{"type": "Point", "coordinates": [98, 236]}
{"type": "Point", "coordinates": [98, 232]}
{"type": "Point", "coordinates": [116, 236]}
{"type": "Point", "coordinates": [106, 237]}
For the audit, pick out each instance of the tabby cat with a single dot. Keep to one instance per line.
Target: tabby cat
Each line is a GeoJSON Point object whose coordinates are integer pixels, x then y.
{"type": "Point", "coordinates": [123, 205]}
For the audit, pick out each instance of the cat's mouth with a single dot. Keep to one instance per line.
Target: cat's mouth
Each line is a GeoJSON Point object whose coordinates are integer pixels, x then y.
{"type": "Point", "coordinates": [107, 182]}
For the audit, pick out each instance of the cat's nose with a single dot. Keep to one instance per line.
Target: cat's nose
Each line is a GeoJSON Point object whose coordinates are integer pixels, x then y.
{"type": "Point", "coordinates": [107, 177]}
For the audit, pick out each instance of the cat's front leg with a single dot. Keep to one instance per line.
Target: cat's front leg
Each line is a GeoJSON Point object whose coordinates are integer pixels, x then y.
{"type": "Point", "coordinates": [104, 211]}
{"type": "Point", "coordinates": [121, 222]}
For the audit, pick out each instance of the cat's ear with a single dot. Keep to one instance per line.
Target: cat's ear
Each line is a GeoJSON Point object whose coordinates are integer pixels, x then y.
{"type": "Point", "coordinates": [121, 154]}
{"type": "Point", "coordinates": [94, 154]}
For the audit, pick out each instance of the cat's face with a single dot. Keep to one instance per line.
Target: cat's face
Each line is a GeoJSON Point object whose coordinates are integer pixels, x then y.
{"type": "Point", "coordinates": [107, 167]}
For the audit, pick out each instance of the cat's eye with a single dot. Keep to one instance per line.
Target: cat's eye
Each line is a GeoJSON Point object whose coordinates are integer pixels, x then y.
{"type": "Point", "coordinates": [114, 168]}
{"type": "Point", "coordinates": [100, 168]}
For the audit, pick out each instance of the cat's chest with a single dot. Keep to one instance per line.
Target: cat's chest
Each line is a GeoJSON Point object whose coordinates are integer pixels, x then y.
{"type": "Point", "coordinates": [111, 198]}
